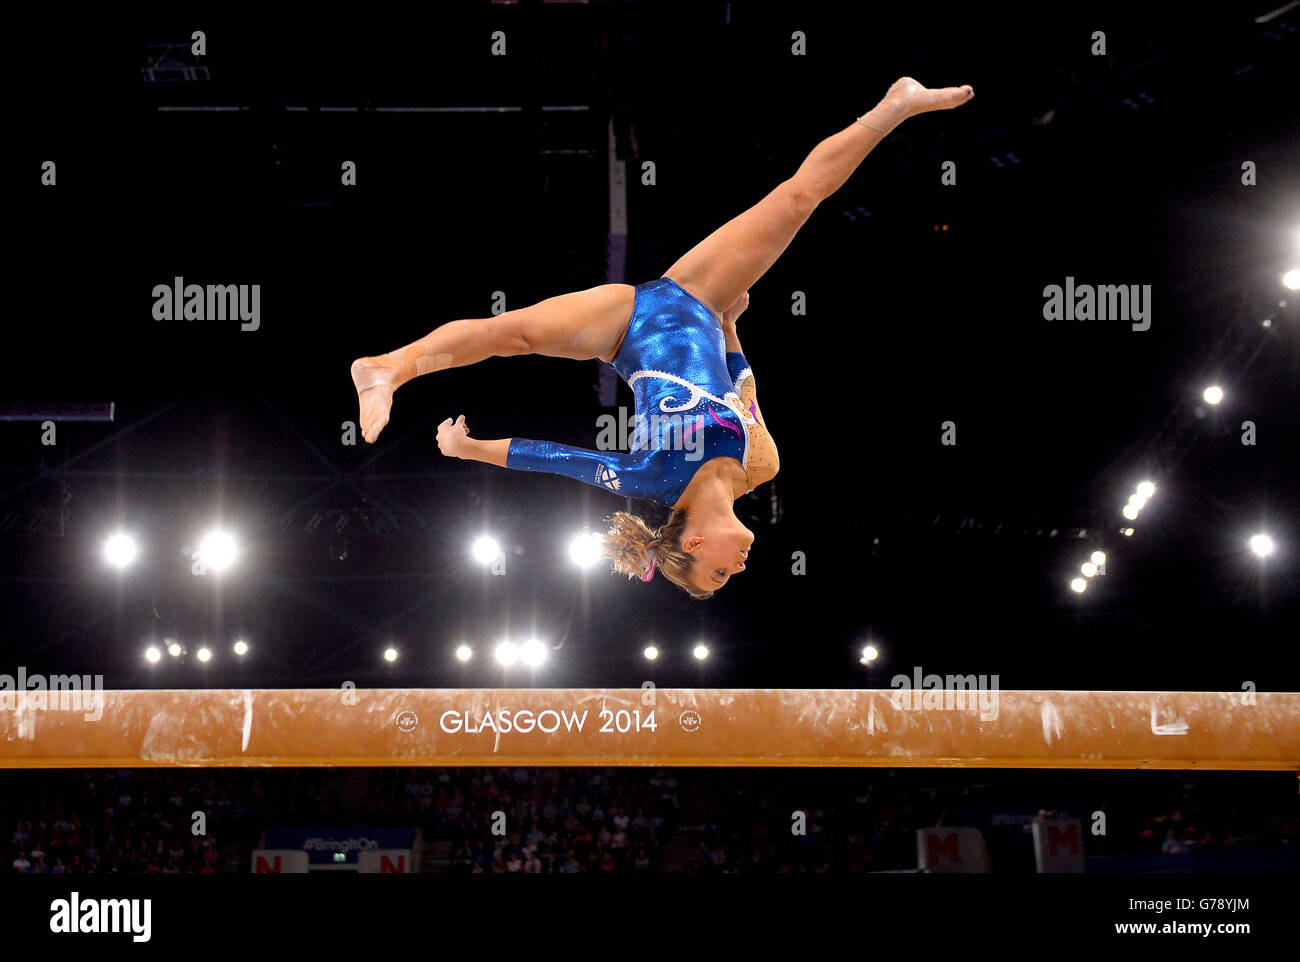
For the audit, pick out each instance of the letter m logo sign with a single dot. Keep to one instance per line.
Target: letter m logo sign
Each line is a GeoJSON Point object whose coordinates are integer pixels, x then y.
{"type": "Point", "coordinates": [1068, 839]}
{"type": "Point", "coordinates": [945, 848]}
{"type": "Point", "coordinates": [951, 849]}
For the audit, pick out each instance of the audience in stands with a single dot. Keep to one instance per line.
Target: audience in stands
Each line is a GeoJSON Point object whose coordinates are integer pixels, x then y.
{"type": "Point", "coordinates": [561, 821]}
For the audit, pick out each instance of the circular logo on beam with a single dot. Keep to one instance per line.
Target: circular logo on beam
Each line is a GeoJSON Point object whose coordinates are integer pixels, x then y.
{"type": "Point", "coordinates": [689, 720]}
{"type": "Point", "coordinates": [407, 720]}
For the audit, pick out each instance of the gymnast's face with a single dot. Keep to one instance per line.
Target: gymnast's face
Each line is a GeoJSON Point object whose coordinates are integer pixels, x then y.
{"type": "Point", "coordinates": [720, 548]}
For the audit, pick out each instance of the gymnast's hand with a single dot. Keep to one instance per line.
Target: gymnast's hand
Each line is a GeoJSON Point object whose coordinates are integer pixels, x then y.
{"type": "Point", "coordinates": [453, 437]}
{"type": "Point", "coordinates": [730, 337]}
{"type": "Point", "coordinates": [735, 310]}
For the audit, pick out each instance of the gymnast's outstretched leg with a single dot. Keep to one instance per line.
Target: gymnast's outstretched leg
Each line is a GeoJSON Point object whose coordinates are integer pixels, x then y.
{"type": "Point", "coordinates": [581, 325]}
{"type": "Point", "coordinates": [718, 270]}
{"type": "Point", "coordinates": [729, 261]}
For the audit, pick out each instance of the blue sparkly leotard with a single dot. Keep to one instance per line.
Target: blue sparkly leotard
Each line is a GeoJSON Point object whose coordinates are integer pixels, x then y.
{"type": "Point", "coordinates": [688, 409]}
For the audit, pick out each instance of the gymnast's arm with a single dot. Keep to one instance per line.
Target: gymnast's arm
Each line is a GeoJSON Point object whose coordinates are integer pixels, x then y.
{"type": "Point", "coordinates": [764, 460]}
{"type": "Point", "coordinates": [609, 470]}
{"type": "Point", "coordinates": [742, 377]}
{"type": "Point", "coordinates": [737, 366]}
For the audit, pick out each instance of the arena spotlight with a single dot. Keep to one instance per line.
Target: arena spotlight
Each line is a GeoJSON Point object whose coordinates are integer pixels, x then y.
{"type": "Point", "coordinates": [1292, 278]}
{"type": "Point", "coordinates": [506, 653]}
{"type": "Point", "coordinates": [1099, 557]}
{"type": "Point", "coordinates": [701, 652]}
{"type": "Point", "coordinates": [1146, 489]}
{"type": "Point", "coordinates": [1079, 585]}
{"type": "Point", "coordinates": [241, 647]}
{"type": "Point", "coordinates": [1130, 511]}
{"type": "Point", "coordinates": [1262, 545]}
{"type": "Point", "coordinates": [1126, 532]}
{"type": "Point", "coordinates": [1213, 394]}
{"type": "Point", "coordinates": [174, 649]}
{"type": "Point", "coordinates": [464, 652]}
{"type": "Point", "coordinates": [204, 655]}
{"type": "Point", "coordinates": [869, 654]}
{"type": "Point", "coordinates": [216, 551]}
{"type": "Point", "coordinates": [152, 655]}
{"type": "Point", "coordinates": [486, 549]}
{"type": "Point", "coordinates": [1088, 569]}
{"type": "Point", "coordinates": [651, 652]}
{"type": "Point", "coordinates": [390, 654]}
{"type": "Point", "coordinates": [120, 550]}
{"type": "Point", "coordinates": [584, 549]}
{"type": "Point", "coordinates": [532, 653]}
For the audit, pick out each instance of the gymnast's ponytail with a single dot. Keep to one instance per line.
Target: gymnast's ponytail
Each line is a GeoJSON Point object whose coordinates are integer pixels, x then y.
{"type": "Point", "coordinates": [639, 552]}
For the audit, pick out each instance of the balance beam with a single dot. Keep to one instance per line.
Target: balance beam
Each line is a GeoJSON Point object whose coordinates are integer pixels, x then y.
{"type": "Point", "coordinates": [632, 727]}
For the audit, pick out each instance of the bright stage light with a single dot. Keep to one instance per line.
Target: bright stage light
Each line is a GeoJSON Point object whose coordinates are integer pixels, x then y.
{"type": "Point", "coordinates": [651, 652]}
{"type": "Point", "coordinates": [869, 654]}
{"type": "Point", "coordinates": [1262, 545]}
{"type": "Point", "coordinates": [1126, 532]}
{"type": "Point", "coordinates": [1130, 511]}
{"type": "Point", "coordinates": [120, 550]}
{"type": "Point", "coordinates": [700, 652]}
{"type": "Point", "coordinates": [532, 653]}
{"type": "Point", "coordinates": [584, 549]}
{"type": "Point", "coordinates": [464, 653]}
{"type": "Point", "coordinates": [241, 647]}
{"type": "Point", "coordinates": [1098, 558]}
{"type": "Point", "coordinates": [486, 549]}
{"type": "Point", "coordinates": [1213, 394]}
{"type": "Point", "coordinates": [152, 655]}
{"type": "Point", "coordinates": [205, 654]}
{"type": "Point", "coordinates": [216, 551]}
{"type": "Point", "coordinates": [1146, 489]}
{"type": "Point", "coordinates": [174, 649]}
{"type": "Point", "coordinates": [1292, 278]}
{"type": "Point", "coordinates": [1089, 569]}
{"type": "Point", "coordinates": [1079, 585]}
{"type": "Point", "coordinates": [390, 654]}
{"type": "Point", "coordinates": [507, 653]}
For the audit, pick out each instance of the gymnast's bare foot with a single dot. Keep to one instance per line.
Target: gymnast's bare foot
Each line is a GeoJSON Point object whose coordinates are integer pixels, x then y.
{"type": "Point", "coordinates": [920, 99]}
{"type": "Point", "coordinates": [908, 97]}
{"type": "Point", "coordinates": [375, 379]}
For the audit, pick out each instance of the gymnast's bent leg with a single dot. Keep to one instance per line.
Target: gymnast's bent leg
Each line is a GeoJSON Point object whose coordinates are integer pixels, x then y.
{"type": "Point", "coordinates": [729, 261]}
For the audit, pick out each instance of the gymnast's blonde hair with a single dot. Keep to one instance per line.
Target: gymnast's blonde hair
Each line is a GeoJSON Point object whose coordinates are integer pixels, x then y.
{"type": "Point", "coordinates": [629, 543]}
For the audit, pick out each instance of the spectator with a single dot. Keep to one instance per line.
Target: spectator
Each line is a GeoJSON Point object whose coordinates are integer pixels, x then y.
{"type": "Point", "coordinates": [1172, 846]}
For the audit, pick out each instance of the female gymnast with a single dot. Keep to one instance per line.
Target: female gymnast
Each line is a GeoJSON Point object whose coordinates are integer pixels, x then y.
{"type": "Point", "coordinates": [673, 340]}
